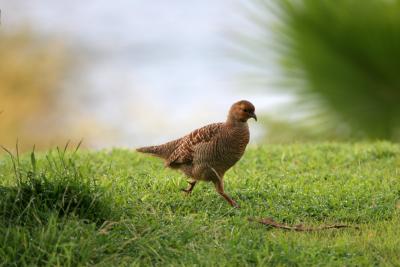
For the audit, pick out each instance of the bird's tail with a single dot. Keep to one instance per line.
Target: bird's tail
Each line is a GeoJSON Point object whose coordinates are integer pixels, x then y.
{"type": "Point", "coordinates": [149, 150]}
{"type": "Point", "coordinates": [162, 151]}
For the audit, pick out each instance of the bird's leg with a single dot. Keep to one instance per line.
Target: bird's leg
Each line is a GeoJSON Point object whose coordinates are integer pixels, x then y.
{"type": "Point", "coordinates": [190, 188]}
{"type": "Point", "coordinates": [219, 186]}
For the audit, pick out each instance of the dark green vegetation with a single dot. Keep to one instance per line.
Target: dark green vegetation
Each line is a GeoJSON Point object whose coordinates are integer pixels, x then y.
{"type": "Point", "coordinates": [340, 57]}
{"type": "Point", "coordinates": [121, 208]}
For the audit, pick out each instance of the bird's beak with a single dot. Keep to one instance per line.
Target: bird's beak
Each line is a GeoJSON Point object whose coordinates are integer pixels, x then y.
{"type": "Point", "coordinates": [254, 116]}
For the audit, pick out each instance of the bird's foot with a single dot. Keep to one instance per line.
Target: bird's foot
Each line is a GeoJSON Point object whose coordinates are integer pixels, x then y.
{"type": "Point", "coordinates": [186, 191]}
{"type": "Point", "coordinates": [234, 204]}
{"type": "Point", "coordinates": [190, 188]}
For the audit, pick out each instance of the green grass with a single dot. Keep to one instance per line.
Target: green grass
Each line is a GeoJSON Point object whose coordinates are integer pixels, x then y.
{"type": "Point", "coordinates": [122, 208]}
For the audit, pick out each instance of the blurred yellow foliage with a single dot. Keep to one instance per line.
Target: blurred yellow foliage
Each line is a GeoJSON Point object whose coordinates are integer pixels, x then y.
{"type": "Point", "coordinates": [32, 71]}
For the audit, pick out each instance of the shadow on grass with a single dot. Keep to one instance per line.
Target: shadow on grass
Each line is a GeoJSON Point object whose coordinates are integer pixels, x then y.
{"type": "Point", "coordinates": [31, 204]}
{"type": "Point", "coordinates": [57, 187]}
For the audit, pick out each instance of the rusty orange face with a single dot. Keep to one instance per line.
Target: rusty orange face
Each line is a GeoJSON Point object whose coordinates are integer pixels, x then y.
{"type": "Point", "coordinates": [242, 111]}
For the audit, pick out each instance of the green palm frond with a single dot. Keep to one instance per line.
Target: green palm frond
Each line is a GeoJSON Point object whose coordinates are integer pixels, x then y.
{"type": "Point", "coordinates": [345, 54]}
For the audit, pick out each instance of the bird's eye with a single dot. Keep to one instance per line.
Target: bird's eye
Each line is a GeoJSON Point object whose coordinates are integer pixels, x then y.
{"type": "Point", "coordinates": [245, 110]}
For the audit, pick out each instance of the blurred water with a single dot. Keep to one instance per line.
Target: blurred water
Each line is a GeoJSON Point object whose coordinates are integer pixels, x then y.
{"type": "Point", "coordinates": [155, 69]}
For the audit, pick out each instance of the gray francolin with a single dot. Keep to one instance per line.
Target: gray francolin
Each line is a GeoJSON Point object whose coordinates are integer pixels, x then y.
{"type": "Point", "coordinates": [207, 153]}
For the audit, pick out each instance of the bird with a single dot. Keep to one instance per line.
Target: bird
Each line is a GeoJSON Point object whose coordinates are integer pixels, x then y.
{"type": "Point", "coordinates": [205, 154]}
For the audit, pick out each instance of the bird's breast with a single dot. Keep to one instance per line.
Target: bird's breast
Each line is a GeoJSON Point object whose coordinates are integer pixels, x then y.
{"type": "Point", "coordinates": [231, 146]}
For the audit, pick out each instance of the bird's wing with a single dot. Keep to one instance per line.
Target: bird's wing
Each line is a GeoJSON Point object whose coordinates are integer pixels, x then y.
{"type": "Point", "coordinates": [185, 150]}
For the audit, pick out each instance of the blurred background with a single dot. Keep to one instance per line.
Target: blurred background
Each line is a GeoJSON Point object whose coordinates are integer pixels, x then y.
{"type": "Point", "coordinates": [130, 73]}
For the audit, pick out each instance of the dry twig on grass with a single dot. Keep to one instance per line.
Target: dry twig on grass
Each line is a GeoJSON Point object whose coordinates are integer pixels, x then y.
{"type": "Point", "coordinates": [299, 227]}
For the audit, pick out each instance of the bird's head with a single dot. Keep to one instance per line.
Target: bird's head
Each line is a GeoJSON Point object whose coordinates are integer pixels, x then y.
{"type": "Point", "coordinates": [242, 111]}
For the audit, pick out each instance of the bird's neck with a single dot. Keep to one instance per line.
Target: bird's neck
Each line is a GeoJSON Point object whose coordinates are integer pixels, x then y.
{"type": "Point", "coordinates": [232, 122]}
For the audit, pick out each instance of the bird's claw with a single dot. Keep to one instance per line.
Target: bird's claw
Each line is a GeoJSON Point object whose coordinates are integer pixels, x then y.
{"type": "Point", "coordinates": [235, 205]}
{"type": "Point", "coordinates": [187, 192]}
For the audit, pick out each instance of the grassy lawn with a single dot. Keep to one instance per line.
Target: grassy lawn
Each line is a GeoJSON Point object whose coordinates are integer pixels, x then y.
{"type": "Point", "coordinates": [122, 208]}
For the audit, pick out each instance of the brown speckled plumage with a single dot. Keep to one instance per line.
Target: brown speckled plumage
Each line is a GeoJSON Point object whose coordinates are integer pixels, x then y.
{"type": "Point", "coordinates": [208, 152]}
